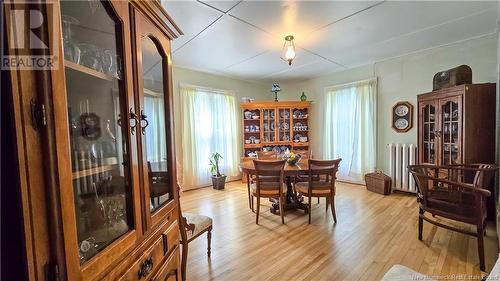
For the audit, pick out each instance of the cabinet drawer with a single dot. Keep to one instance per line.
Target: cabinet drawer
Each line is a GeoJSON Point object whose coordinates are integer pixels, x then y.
{"type": "Point", "coordinates": [171, 237]}
{"type": "Point", "coordinates": [170, 270]}
{"type": "Point", "coordinates": [147, 263]}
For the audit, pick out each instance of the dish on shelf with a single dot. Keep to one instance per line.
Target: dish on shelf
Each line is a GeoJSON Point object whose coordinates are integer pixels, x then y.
{"type": "Point", "coordinates": [297, 114]}
{"type": "Point", "coordinates": [255, 115]}
{"type": "Point", "coordinates": [248, 141]}
{"type": "Point", "coordinates": [285, 114]}
{"type": "Point", "coordinates": [277, 149]}
{"type": "Point", "coordinates": [283, 149]}
{"type": "Point", "coordinates": [272, 126]}
{"type": "Point", "coordinates": [296, 140]}
{"type": "Point", "coordinates": [256, 141]}
{"type": "Point", "coordinates": [248, 114]}
{"type": "Point", "coordinates": [252, 139]}
{"type": "Point", "coordinates": [297, 136]}
{"type": "Point", "coordinates": [285, 137]}
{"type": "Point", "coordinates": [303, 139]}
{"type": "Point", "coordinates": [285, 125]}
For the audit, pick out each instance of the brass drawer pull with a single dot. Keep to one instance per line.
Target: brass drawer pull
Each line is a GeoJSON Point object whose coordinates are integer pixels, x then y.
{"type": "Point", "coordinates": [146, 268]}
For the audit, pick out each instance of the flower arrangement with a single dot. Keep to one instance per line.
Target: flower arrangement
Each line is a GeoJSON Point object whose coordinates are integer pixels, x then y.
{"type": "Point", "coordinates": [292, 158]}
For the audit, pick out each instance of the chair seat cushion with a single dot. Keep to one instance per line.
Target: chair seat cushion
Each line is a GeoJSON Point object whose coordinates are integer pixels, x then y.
{"type": "Point", "coordinates": [318, 187]}
{"type": "Point", "coordinates": [462, 205]}
{"type": "Point", "coordinates": [200, 222]}
{"type": "Point", "coordinates": [268, 188]}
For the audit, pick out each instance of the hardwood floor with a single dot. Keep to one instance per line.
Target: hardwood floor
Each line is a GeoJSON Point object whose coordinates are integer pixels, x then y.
{"type": "Point", "coordinates": [372, 234]}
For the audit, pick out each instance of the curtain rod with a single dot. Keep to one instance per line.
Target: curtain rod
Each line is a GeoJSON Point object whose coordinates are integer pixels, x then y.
{"type": "Point", "coordinates": [220, 91]}
{"type": "Point", "coordinates": [369, 80]}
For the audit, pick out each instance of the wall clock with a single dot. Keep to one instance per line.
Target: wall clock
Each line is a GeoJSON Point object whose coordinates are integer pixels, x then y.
{"type": "Point", "coordinates": [402, 116]}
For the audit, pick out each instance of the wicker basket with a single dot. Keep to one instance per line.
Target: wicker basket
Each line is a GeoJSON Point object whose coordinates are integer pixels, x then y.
{"type": "Point", "coordinates": [378, 182]}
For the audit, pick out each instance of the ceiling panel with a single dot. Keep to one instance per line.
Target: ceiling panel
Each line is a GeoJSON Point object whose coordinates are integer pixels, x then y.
{"type": "Point", "coordinates": [303, 72]}
{"type": "Point", "coordinates": [225, 43]}
{"type": "Point", "coordinates": [246, 41]}
{"type": "Point", "coordinates": [270, 62]}
{"type": "Point", "coordinates": [299, 18]}
{"type": "Point", "coordinates": [191, 16]}
{"type": "Point", "coordinates": [386, 21]}
{"type": "Point", "coordinates": [439, 35]}
{"type": "Point", "coordinates": [221, 5]}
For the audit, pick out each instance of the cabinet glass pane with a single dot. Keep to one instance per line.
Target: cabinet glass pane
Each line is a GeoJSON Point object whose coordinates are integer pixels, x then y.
{"type": "Point", "coordinates": [450, 133]}
{"type": "Point", "coordinates": [95, 95]}
{"type": "Point", "coordinates": [153, 125]}
{"type": "Point", "coordinates": [269, 125]}
{"type": "Point", "coordinates": [429, 134]}
{"type": "Point", "coordinates": [284, 124]}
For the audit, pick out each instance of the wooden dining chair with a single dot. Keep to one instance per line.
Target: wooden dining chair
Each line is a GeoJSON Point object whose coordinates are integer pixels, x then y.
{"type": "Point", "coordinates": [457, 193]}
{"type": "Point", "coordinates": [269, 183]}
{"type": "Point", "coordinates": [158, 183]}
{"type": "Point", "coordinates": [261, 155]}
{"type": "Point", "coordinates": [267, 155]}
{"type": "Point", "coordinates": [191, 227]}
{"type": "Point", "coordinates": [307, 154]}
{"type": "Point", "coordinates": [321, 183]}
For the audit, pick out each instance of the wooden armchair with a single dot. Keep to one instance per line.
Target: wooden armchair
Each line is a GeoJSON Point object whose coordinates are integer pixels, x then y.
{"type": "Point", "coordinates": [269, 183]}
{"type": "Point", "coordinates": [454, 192]}
{"type": "Point", "coordinates": [191, 227]}
{"type": "Point", "coordinates": [320, 183]}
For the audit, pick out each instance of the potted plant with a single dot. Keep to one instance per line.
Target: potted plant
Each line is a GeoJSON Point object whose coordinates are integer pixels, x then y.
{"type": "Point", "coordinates": [218, 179]}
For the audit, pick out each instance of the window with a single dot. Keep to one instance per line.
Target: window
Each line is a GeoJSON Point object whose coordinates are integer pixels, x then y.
{"type": "Point", "coordinates": [209, 124]}
{"type": "Point", "coordinates": [350, 123]}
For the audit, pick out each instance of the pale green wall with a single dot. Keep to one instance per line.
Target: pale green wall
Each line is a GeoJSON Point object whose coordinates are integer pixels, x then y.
{"type": "Point", "coordinates": [399, 79]}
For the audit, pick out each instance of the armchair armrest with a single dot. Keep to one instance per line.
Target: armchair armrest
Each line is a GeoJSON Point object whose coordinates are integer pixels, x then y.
{"type": "Point", "coordinates": [479, 190]}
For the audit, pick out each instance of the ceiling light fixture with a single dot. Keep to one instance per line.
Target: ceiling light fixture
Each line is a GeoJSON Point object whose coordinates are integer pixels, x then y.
{"type": "Point", "coordinates": [288, 50]}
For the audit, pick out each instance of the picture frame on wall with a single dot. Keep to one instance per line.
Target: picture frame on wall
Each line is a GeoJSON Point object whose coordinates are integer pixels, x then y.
{"type": "Point", "coordinates": [402, 116]}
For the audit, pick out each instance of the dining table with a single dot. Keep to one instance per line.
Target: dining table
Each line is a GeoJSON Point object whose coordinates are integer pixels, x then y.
{"type": "Point", "coordinates": [293, 201]}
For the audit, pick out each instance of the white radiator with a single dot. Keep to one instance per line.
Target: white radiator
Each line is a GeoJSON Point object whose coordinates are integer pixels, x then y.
{"type": "Point", "coordinates": [400, 156]}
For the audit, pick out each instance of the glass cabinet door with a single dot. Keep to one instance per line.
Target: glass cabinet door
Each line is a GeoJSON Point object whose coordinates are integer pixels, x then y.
{"type": "Point", "coordinates": [269, 125]}
{"type": "Point", "coordinates": [429, 133]}
{"type": "Point", "coordinates": [284, 127]}
{"type": "Point", "coordinates": [97, 114]}
{"type": "Point", "coordinates": [450, 133]}
{"type": "Point", "coordinates": [155, 118]}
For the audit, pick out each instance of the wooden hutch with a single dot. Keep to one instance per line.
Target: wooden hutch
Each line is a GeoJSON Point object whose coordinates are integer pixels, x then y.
{"type": "Point", "coordinates": [456, 125]}
{"type": "Point", "coordinates": [95, 145]}
{"type": "Point", "coordinates": [275, 126]}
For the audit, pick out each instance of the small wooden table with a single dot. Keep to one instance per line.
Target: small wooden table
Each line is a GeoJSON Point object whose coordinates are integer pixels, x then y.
{"type": "Point", "coordinates": [293, 201]}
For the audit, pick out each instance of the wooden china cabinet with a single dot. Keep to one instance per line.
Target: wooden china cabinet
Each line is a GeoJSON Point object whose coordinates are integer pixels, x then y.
{"type": "Point", "coordinates": [95, 144]}
{"type": "Point", "coordinates": [275, 126]}
{"type": "Point", "coordinates": [456, 125]}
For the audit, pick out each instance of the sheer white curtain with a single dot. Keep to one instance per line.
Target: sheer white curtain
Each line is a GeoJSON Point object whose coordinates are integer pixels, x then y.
{"type": "Point", "coordinates": [350, 128]}
{"type": "Point", "coordinates": [209, 124]}
{"type": "Point", "coordinates": [156, 138]}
